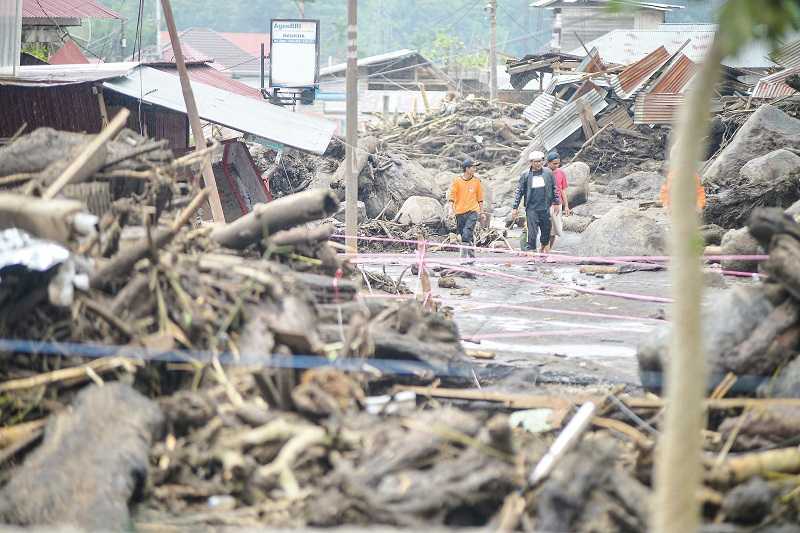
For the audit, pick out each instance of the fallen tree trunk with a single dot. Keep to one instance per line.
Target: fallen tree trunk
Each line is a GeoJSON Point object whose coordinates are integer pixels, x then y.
{"type": "Point", "coordinates": [92, 462]}
{"type": "Point", "coordinates": [280, 214]}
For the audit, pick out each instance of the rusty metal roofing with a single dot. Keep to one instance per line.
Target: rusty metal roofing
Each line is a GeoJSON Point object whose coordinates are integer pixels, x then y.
{"type": "Point", "coordinates": [66, 9]}
{"type": "Point", "coordinates": [788, 55]}
{"type": "Point", "coordinates": [628, 82]}
{"type": "Point", "coordinates": [676, 77]}
{"type": "Point", "coordinates": [542, 108]}
{"type": "Point", "coordinates": [567, 120]}
{"type": "Point", "coordinates": [656, 108]}
{"type": "Point", "coordinates": [772, 86]}
{"type": "Point", "coordinates": [203, 73]}
{"type": "Point", "coordinates": [619, 117]}
{"type": "Point", "coordinates": [591, 63]}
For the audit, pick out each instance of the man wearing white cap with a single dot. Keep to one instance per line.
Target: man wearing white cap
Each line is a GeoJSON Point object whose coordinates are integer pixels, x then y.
{"type": "Point", "coordinates": [537, 189]}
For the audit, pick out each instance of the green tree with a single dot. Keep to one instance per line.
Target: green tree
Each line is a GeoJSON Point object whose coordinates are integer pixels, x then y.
{"type": "Point", "coordinates": [678, 464]}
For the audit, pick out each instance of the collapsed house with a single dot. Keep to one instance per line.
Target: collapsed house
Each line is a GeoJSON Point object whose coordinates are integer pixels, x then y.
{"type": "Point", "coordinates": [630, 78]}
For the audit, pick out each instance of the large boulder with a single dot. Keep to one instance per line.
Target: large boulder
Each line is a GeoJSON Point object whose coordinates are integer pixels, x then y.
{"type": "Point", "coordinates": [624, 231]}
{"type": "Point", "coordinates": [740, 242]}
{"type": "Point", "coordinates": [766, 130]}
{"type": "Point", "coordinates": [578, 180]}
{"type": "Point", "coordinates": [771, 180]}
{"type": "Point", "coordinates": [639, 185]}
{"type": "Point", "coordinates": [386, 192]}
{"type": "Point", "coordinates": [727, 322]}
{"type": "Point", "coordinates": [442, 182]}
{"type": "Point", "coordinates": [421, 210]}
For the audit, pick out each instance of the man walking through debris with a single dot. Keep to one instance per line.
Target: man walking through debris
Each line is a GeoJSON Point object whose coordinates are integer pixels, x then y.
{"type": "Point", "coordinates": [466, 200]}
{"type": "Point", "coordinates": [537, 189]}
{"type": "Point", "coordinates": [554, 164]}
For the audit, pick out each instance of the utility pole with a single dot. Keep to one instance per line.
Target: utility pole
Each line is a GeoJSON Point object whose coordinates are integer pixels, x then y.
{"type": "Point", "coordinates": [158, 30]}
{"type": "Point", "coordinates": [191, 110]}
{"type": "Point", "coordinates": [491, 7]}
{"type": "Point", "coordinates": [351, 137]}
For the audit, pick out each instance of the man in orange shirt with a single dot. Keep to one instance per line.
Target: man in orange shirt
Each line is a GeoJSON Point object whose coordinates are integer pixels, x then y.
{"type": "Point", "coordinates": [466, 200]}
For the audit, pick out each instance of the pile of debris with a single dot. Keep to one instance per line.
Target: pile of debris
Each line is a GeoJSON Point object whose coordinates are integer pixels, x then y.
{"type": "Point", "coordinates": [463, 128]}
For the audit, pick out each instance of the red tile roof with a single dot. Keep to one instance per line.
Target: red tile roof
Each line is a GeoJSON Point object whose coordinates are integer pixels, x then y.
{"type": "Point", "coordinates": [69, 54]}
{"type": "Point", "coordinates": [210, 76]}
{"type": "Point", "coordinates": [44, 9]}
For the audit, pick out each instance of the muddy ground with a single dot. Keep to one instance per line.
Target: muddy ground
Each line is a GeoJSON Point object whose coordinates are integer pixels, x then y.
{"type": "Point", "coordinates": [560, 349]}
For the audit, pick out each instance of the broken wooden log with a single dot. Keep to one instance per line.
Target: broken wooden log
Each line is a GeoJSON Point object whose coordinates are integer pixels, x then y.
{"type": "Point", "coordinates": [93, 461]}
{"type": "Point", "coordinates": [272, 217]}
{"type": "Point", "coordinates": [45, 219]}
{"type": "Point", "coordinates": [302, 235]}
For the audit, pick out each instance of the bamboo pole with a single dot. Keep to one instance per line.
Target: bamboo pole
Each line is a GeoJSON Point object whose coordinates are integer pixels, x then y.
{"type": "Point", "coordinates": [678, 470]}
{"type": "Point", "coordinates": [191, 110]}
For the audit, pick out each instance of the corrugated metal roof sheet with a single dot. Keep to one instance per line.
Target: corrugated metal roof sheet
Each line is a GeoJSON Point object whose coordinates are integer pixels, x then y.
{"type": "Point", "coordinates": [567, 120]}
{"type": "Point", "coordinates": [676, 77]}
{"type": "Point", "coordinates": [633, 78]}
{"type": "Point", "coordinates": [69, 9]}
{"type": "Point", "coordinates": [591, 63]}
{"type": "Point", "coordinates": [772, 86]}
{"type": "Point", "coordinates": [542, 108]}
{"type": "Point", "coordinates": [210, 76]}
{"type": "Point", "coordinates": [788, 55]}
{"type": "Point", "coordinates": [656, 108]}
{"type": "Point", "coordinates": [619, 117]}
{"type": "Point", "coordinates": [64, 74]}
{"type": "Point", "coordinates": [371, 60]}
{"type": "Point", "coordinates": [228, 109]}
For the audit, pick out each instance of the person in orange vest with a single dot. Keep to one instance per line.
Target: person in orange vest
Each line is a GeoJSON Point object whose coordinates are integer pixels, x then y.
{"type": "Point", "coordinates": [700, 193]}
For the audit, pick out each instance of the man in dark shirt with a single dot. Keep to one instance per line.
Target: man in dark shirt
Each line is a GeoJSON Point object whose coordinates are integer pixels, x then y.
{"type": "Point", "coordinates": [537, 187]}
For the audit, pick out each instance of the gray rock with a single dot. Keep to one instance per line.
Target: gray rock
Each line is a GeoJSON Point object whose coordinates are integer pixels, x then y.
{"type": "Point", "coordinates": [786, 384]}
{"type": "Point", "coordinates": [771, 180]}
{"type": "Point", "coordinates": [727, 322]}
{"type": "Point", "coordinates": [740, 242]}
{"type": "Point", "coordinates": [362, 212]}
{"type": "Point", "coordinates": [421, 210]}
{"type": "Point", "coordinates": [577, 223]}
{"type": "Point", "coordinates": [393, 186]}
{"type": "Point", "coordinates": [712, 234]}
{"type": "Point", "coordinates": [750, 502]}
{"type": "Point", "coordinates": [578, 174]}
{"type": "Point", "coordinates": [639, 185]}
{"type": "Point", "coordinates": [768, 129]}
{"type": "Point", "coordinates": [623, 231]}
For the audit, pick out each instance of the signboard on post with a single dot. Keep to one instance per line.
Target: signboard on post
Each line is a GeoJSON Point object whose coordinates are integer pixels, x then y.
{"type": "Point", "coordinates": [294, 53]}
